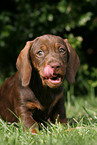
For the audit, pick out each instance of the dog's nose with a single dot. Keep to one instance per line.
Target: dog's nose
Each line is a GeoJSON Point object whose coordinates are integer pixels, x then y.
{"type": "Point", "coordinates": [55, 65]}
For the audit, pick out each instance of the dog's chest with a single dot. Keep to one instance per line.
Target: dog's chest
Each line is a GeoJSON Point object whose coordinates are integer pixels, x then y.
{"type": "Point", "coordinates": [47, 106]}
{"type": "Point", "coordinates": [49, 100]}
{"type": "Point", "coordinates": [41, 115]}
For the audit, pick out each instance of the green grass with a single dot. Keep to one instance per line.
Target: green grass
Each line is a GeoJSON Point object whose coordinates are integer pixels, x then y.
{"type": "Point", "coordinates": [80, 130]}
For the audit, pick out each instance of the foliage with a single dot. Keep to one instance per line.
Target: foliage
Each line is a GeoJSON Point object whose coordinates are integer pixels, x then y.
{"type": "Point", "coordinates": [21, 21]}
{"type": "Point", "coordinates": [89, 78]}
{"type": "Point", "coordinates": [86, 82]}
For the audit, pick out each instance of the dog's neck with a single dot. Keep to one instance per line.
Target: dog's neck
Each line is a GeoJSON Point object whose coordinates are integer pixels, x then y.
{"type": "Point", "coordinates": [43, 93]}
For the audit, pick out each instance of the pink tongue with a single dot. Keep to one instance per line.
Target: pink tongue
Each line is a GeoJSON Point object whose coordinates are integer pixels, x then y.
{"type": "Point", "coordinates": [48, 71]}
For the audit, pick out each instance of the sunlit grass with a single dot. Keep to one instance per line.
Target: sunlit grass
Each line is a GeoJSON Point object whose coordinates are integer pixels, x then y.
{"type": "Point", "coordinates": [80, 130]}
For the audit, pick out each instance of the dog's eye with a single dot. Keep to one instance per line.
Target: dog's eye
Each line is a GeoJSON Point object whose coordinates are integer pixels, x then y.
{"type": "Point", "coordinates": [62, 50]}
{"type": "Point", "coordinates": [40, 53]}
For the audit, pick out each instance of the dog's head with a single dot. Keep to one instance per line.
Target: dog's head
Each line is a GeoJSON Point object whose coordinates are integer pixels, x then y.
{"type": "Point", "coordinates": [53, 58]}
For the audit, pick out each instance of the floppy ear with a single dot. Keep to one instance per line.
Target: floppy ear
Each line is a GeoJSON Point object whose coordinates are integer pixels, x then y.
{"type": "Point", "coordinates": [23, 64]}
{"type": "Point", "coordinates": [73, 63]}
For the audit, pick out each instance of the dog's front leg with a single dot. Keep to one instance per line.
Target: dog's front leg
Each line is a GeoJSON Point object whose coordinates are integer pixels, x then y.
{"type": "Point", "coordinates": [59, 112]}
{"type": "Point", "coordinates": [26, 117]}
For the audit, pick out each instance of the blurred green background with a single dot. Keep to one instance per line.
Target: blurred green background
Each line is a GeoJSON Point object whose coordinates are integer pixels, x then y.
{"type": "Point", "coordinates": [23, 20]}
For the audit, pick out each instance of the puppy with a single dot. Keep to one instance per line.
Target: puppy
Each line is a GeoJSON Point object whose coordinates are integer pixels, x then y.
{"type": "Point", "coordinates": [35, 92]}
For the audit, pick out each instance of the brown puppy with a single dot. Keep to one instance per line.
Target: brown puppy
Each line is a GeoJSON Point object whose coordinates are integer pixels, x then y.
{"type": "Point", "coordinates": [34, 92]}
